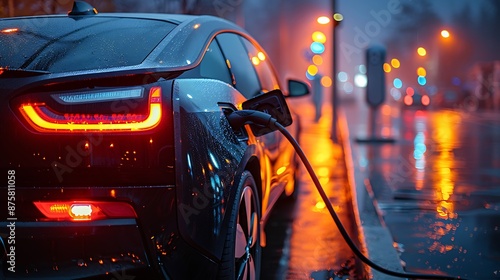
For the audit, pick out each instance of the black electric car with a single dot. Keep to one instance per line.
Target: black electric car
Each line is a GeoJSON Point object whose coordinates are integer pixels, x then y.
{"type": "Point", "coordinates": [117, 155]}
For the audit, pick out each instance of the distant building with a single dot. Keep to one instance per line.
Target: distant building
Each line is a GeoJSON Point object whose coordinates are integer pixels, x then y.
{"type": "Point", "coordinates": [486, 82]}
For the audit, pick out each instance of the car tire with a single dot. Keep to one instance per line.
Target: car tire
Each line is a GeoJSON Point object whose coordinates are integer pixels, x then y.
{"type": "Point", "coordinates": [242, 252]}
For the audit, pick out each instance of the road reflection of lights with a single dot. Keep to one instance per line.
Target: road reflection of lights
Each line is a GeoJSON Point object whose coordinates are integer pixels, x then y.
{"type": "Point", "coordinates": [319, 206]}
{"type": "Point", "coordinates": [445, 137]}
{"type": "Point", "coordinates": [323, 172]}
{"type": "Point", "coordinates": [323, 175]}
{"type": "Point", "coordinates": [420, 148]}
{"type": "Point", "coordinates": [444, 140]}
{"type": "Point", "coordinates": [445, 210]}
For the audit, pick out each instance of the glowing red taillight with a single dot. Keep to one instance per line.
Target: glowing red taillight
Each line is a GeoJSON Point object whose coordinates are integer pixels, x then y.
{"type": "Point", "coordinates": [85, 210]}
{"type": "Point", "coordinates": [44, 119]}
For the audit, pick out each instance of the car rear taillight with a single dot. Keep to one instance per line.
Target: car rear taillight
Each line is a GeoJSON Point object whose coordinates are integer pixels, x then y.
{"type": "Point", "coordinates": [84, 210]}
{"type": "Point", "coordinates": [45, 119]}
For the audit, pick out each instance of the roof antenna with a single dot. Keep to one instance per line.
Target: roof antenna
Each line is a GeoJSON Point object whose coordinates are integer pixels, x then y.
{"type": "Point", "coordinates": [81, 8]}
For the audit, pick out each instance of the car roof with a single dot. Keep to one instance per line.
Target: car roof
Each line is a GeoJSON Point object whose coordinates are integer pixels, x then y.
{"type": "Point", "coordinates": [182, 48]}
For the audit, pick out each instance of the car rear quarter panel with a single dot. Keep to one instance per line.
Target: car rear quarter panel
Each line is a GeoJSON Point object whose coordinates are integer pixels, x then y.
{"type": "Point", "coordinates": [209, 158]}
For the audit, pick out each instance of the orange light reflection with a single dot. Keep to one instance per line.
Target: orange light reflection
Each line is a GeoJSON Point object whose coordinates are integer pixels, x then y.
{"type": "Point", "coordinates": [9, 30]}
{"type": "Point", "coordinates": [313, 232]}
{"type": "Point", "coordinates": [445, 139]}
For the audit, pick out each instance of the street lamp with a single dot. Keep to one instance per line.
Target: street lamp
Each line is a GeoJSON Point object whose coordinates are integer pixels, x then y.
{"type": "Point", "coordinates": [323, 20]}
{"type": "Point", "coordinates": [319, 39]}
{"type": "Point", "coordinates": [445, 33]}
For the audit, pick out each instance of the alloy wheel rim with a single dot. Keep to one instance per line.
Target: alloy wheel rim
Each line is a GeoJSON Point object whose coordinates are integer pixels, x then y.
{"type": "Point", "coordinates": [246, 236]}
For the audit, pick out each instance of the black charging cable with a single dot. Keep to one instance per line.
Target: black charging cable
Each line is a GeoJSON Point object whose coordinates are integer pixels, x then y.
{"type": "Point", "coordinates": [238, 118]}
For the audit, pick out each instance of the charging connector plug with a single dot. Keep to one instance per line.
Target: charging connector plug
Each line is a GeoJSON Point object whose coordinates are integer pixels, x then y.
{"type": "Point", "coordinates": [239, 118]}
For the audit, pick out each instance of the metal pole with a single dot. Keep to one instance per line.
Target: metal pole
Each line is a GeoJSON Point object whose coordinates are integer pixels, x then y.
{"type": "Point", "coordinates": [334, 76]}
{"type": "Point", "coordinates": [11, 8]}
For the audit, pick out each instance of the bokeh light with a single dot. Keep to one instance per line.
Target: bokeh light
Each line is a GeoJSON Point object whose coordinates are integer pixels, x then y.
{"type": "Point", "coordinates": [362, 69]}
{"type": "Point", "coordinates": [323, 20]}
{"type": "Point", "coordinates": [317, 59]}
{"type": "Point", "coordinates": [326, 81]}
{"type": "Point", "coordinates": [312, 70]}
{"type": "Point", "coordinates": [397, 83]}
{"type": "Point", "coordinates": [360, 80]}
{"type": "Point", "coordinates": [338, 17]}
{"type": "Point", "coordinates": [426, 100]}
{"type": "Point", "coordinates": [319, 37]}
{"type": "Point", "coordinates": [309, 76]}
{"type": "Point", "coordinates": [348, 88]}
{"type": "Point", "coordinates": [317, 47]}
{"type": "Point", "coordinates": [421, 71]}
{"type": "Point", "coordinates": [396, 94]}
{"type": "Point", "coordinates": [255, 60]}
{"type": "Point", "coordinates": [422, 51]}
{"type": "Point", "coordinates": [410, 91]}
{"type": "Point", "coordinates": [342, 76]}
{"type": "Point", "coordinates": [445, 33]}
{"type": "Point", "coordinates": [422, 80]}
{"type": "Point", "coordinates": [261, 56]}
{"type": "Point", "coordinates": [408, 100]}
{"type": "Point", "coordinates": [387, 67]}
{"type": "Point", "coordinates": [395, 63]}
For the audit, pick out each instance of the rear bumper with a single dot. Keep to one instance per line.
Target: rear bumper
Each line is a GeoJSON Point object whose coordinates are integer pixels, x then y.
{"type": "Point", "coordinates": [65, 250]}
{"type": "Point", "coordinates": [146, 247]}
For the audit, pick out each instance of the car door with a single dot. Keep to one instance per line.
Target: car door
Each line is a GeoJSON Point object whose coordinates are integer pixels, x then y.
{"type": "Point", "coordinates": [253, 75]}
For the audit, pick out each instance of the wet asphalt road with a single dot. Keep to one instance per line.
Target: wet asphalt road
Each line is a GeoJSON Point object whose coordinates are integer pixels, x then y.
{"type": "Point", "coordinates": [437, 186]}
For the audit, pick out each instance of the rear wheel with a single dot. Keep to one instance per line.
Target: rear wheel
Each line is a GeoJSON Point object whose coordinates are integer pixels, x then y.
{"type": "Point", "coordinates": [242, 251]}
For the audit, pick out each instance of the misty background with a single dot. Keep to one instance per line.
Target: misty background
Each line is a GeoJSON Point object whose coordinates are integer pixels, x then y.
{"type": "Point", "coordinates": [284, 27]}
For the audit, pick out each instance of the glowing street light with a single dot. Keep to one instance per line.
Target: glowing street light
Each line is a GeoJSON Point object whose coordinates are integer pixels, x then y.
{"type": "Point", "coordinates": [445, 33]}
{"type": "Point", "coordinates": [323, 20]}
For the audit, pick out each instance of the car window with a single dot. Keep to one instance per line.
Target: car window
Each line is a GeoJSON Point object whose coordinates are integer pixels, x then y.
{"type": "Point", "coordinates": [213, 64]}
{"type": "Point", "coordinates": [64, 44]}
{"type": "Point", "coordinates": [268, 80]}
{"type": "Point", "coordinates": [245, 78]}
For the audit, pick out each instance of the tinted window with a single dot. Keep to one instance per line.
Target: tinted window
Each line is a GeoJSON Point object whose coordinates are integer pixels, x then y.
{"type": "Point", "coordinates": [262, 66]}
{"type": "Point", "coordinates": [213, 64]}
{"type": "Point", "coordinates": [65, 44]}
{"type": "Point", "coordinates": [246, 80]}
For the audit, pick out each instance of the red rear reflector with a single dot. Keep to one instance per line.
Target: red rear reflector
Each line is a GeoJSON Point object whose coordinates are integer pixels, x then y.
{"type": "Point", "coordinates": [44, 119]}
{"type": "Point", "coordinates": [85, 210]}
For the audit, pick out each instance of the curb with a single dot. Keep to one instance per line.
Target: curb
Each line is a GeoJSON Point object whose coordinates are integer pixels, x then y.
{"type": "Point", "coordinates": [375, 240]}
